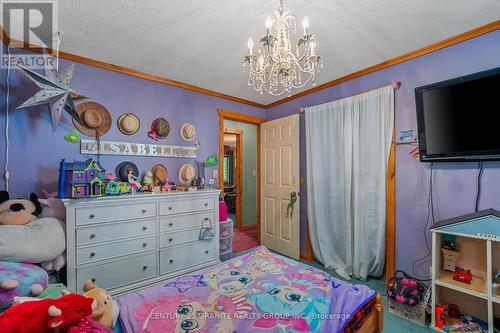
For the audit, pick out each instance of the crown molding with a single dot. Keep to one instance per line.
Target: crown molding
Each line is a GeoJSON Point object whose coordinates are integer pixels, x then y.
{"type": "Point", "coordinates": [380, 66]}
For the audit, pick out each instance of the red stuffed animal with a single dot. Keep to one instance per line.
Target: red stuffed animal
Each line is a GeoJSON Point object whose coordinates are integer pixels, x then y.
{"type": "Point", "coordinates": [47, 314]}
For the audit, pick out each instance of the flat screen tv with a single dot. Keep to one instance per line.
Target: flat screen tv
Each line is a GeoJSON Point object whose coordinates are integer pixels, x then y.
{"type": "Point", "coordinates": [459, 119]}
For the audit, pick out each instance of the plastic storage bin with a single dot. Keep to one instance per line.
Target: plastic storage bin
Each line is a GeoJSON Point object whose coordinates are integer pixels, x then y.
{"type": "Point", "coordinates": [226, 256]}
{"type": "Point", "coordinates": [226, 245]}
{"type": "Point", "coordinates": [226, 229]}
{"type": "Point", "coordinates": [226, 239]}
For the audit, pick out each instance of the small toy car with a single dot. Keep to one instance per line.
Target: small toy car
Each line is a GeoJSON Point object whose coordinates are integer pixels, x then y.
{"type": "Point", "coordinates": [124, 187]}
{"type": "Point", "coordinates": [462, 275]}
{"type": "Point", "coordinates": [112, 189]}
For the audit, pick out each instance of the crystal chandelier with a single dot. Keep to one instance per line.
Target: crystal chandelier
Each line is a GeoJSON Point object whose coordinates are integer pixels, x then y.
{"type": "Point", "coordinates": [276, 68]}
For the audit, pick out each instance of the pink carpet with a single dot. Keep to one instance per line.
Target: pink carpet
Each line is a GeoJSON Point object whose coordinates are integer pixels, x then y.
{"type": "Point", "coordinates": [244, 239]}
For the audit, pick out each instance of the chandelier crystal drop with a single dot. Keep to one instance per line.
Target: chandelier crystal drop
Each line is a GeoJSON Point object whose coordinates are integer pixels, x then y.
{"type": "Point", "coordinates": [279, 66]}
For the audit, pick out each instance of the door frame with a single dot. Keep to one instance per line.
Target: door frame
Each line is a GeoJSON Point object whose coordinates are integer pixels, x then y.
{"type": "Point", "coordinates": [239, 172]}
{"type": "Point", "coordinates": [230, 115]}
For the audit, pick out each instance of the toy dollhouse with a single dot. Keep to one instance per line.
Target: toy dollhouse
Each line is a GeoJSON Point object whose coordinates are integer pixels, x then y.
{"type": "Point", "coordinates": [466, 281]}
{"type": "Point", "coordinates": [81, 179]}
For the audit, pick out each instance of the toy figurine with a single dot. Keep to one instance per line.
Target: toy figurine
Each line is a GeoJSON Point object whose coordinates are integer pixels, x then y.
{"type": "Point", "coordinates": [132, 179]}
{"type": "Point", "coordinates": [166, 187]}
{"type": "Point", "coordinates": [147, 181]}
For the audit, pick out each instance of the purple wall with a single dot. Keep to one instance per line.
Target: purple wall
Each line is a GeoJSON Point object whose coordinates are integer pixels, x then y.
{"type": "Point", "coordinates": [35, 151]}
{"type": "Point", "coordinates": [454, 184]}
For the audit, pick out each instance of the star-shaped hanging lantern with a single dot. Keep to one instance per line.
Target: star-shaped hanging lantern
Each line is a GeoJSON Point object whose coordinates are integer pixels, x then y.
{"type": "Point", "coordinates": [55, 91]}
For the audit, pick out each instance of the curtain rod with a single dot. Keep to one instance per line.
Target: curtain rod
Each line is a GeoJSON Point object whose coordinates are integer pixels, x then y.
{"type": "Point", "coordinates": [394, 84]}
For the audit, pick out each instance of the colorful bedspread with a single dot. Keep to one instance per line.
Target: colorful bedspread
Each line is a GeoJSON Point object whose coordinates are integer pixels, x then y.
{"type": "Point", "coordinates": [257, 292]}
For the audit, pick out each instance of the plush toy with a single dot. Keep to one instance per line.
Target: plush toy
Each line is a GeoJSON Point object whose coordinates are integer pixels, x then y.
{"type": "Point", "coordinates": [107, 310]}
{"type": "Point", "coordinates": [45, 315]}
{"type": "Point", "coordinates": [18, 211]}
{"type": "Point", "coordinates": [147, 181]}
{"type": "Point", "coordinates": [88, 325]}
{"type": "Point", "coordinates": [53, 207]}
{"type": "Point", "coordinates": [39, 241]}
{"type": "Point", "coordinates": [19, 279]}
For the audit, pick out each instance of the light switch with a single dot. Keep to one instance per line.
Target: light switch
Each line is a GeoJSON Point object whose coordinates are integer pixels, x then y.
{"type": "Point", "coordinates": [254, 173]}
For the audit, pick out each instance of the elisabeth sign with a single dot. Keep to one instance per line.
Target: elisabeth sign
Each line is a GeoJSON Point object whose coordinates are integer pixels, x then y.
{"type": "Point", "coordinates": [136, 149]}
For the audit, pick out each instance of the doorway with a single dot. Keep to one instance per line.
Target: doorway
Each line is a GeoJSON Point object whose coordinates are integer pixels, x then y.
{"type": "Point", "coordinates": [232, 174]}
{"type": "Point", "coordinates": [239, 169]}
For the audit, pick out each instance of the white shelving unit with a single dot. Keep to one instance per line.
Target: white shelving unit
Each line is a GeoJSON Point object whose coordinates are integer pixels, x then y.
{"type": "Point", "coordinates": [478, 241]}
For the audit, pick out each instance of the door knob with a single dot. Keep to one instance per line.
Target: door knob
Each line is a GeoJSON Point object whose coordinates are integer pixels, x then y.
{"type": "Point", "coordinates": [289, 208]}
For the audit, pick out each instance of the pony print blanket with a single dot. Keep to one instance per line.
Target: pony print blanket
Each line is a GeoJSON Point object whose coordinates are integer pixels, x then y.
{"type": "Point", "coordinates": [259, 292]}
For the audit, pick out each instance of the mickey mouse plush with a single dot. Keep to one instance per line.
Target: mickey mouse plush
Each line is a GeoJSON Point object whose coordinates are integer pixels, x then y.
{"type": "Point", "coordinates": [18, 211]}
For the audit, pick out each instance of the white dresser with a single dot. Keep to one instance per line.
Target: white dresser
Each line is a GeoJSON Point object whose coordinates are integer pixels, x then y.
{"type": "Point", "coordinates": [131, 241]}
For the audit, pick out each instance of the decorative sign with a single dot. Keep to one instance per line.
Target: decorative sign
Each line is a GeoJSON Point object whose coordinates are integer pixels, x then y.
{"type": "Point", "coordinates": [406, 135]}
{"type": "Point", "coordinates": [137, 149]}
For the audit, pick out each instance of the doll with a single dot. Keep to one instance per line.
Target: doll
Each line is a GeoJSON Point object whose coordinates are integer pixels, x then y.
{"type": "Point", "coordinates": [132, 179]}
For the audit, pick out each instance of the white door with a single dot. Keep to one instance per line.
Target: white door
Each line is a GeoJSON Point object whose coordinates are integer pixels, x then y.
{"type": "Point", "coordinates": [280, 225]}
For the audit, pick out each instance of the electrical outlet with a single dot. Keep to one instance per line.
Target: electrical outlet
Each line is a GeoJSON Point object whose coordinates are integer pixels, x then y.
{"type": "Point", "coordinates": [216, 173]}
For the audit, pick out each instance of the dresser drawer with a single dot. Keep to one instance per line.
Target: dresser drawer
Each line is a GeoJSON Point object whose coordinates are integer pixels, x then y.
{"type": "Point", "coordinates": [176, 222]}
{"type": "Point", "coordinates": [107, 232]}
{"type": "Point", "coordinates": [185, 206]}
{"type": "Point", "coordinates": [106, 251]}
{"type": "Point", "coordinates": [184, 256]}
{"type": "Point", "coordinates": [119, 273]}
{"type": "Point", "coordinates": [179, 237]}
{"type": "Point", "coordinates": [114, 213]}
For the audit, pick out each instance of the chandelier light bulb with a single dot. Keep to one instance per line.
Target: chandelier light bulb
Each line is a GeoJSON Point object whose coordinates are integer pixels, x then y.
{"type": "Point", "coordinates": [269, 25]}
{"type": "Point", "coordinates": [312, 47]}
{"type": "Point", "coordinates": [305, 25]}
{"type": "Point", "coordinates": [261, 60]}
{"type": "Point", "coordinates": [250, 46]}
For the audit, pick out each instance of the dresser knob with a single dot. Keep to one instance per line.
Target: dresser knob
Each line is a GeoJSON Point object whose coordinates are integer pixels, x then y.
{"type": "Point", "coordinates": [206, 204]}
{"type": "Point", "coordinates": [91, 216]}
{"type": "Point", "coordinates": [206, 251]}
{"type": "Point", "coordinates": [170, 239]}
{"type": "Point", "coordinates": [170, 207]}
{"type": "Point", "coordinates": [92, 254]}
{"type": "Point", "coordinates": [93, 280]}
{"type": "Point", "coordinates": [144, 268]}
{"type": "Point", "coordinates": [171, 261]}
{"type": "Point", "coordinates": [144, 211]}
{"type": "Point", "coordinates": [92, 236]}
{"type": "Point", "coordinates": [144, 228]}
{"type": "Point", "coordinates": [144, 244]}
{"type": "Point", "coordinates": [170, 224]}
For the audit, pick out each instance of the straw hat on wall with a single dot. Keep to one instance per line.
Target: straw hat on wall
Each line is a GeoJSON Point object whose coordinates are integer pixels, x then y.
{"type": "Point", "coordinates": [188, 132]}
{"type": "Point", "coordinates": [129, 123]}
{"type": "Point", "coordinates": [95, 119]}
{"type": "Point", "coordinates": [186, 173]}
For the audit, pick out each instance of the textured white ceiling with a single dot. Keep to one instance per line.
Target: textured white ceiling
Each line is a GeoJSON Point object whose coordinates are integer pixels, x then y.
{"type": "Point", "coordinates": [202, 42]}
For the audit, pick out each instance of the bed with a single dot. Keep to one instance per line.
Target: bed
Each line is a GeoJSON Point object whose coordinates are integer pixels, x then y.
{"type": "Point", "coordinates": [257, 292]}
